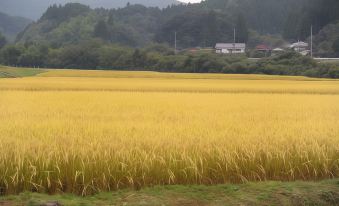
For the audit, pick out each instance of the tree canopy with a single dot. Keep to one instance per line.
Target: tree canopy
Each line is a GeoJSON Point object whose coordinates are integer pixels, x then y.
{"type": "Point", "coordinates": [3, 41]}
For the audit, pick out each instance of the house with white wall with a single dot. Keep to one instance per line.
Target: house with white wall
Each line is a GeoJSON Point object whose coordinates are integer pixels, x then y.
{"type": "Point", "coordinates": [230, 48]}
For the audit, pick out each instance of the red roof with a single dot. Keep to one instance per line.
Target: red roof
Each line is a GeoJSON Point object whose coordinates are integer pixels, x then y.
{"type": "Point", "coordinates": [262, 47]}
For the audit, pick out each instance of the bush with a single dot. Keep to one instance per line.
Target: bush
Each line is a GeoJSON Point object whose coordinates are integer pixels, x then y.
{"type": "Point", "coordinates": [333, 73]}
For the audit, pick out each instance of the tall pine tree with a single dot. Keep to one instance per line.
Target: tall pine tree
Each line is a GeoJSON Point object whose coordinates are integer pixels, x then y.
{"type": "Point", "coordinates": [3, 41]}
{"type": "Point", "coordinates": [101, 30]}
{"type": "Point", "coordinates": [241, 28]}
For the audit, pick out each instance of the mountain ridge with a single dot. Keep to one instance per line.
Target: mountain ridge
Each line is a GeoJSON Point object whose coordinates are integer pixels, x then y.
{"type": "Point", "coordinates": [33, 9]}
{"type": "Point", "coordinates": [10, 26]}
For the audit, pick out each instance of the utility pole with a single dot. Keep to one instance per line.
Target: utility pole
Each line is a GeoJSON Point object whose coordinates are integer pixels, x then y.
{"type": "Point", "coordinates": [175, 43]}
{"type": "Point", "coordinates": [312, 41]}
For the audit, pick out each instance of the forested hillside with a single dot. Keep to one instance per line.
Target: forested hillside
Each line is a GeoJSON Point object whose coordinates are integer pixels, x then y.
{"type": "Point", "coordinates": [33, 9]}
{"type": "Point", "coordinates": [196, 25]}
{"type": "Point", "coordinates": [136, 25]}
{"type": "Point", "coordinates": [318, 13]}
{"type": "Point", "coordinates": [10, 26]}
{"type": "Point", "coordinates": [264, 16]}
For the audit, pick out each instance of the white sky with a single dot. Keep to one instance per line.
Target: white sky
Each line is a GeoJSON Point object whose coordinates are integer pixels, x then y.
{"type": "Point", "coordinates": [192, 1]}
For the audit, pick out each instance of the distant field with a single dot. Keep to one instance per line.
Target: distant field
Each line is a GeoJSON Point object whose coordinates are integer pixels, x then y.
{"type": "Point", "coordinates": [84, 132]}
{"type": "Point", "coordinates": [9, 72]}
{"type": "Point", "coordinates": [147, 74]}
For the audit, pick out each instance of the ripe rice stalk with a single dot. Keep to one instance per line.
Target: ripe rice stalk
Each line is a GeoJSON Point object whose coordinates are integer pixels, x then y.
{"type": "Point", "coordinates": [82, 135]}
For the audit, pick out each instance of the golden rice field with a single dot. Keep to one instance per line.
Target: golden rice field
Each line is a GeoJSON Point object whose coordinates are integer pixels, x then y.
{"type": "Point", "coordinates": [89, 131]}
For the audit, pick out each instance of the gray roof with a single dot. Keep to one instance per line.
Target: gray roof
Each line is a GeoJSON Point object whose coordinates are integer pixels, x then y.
{"type": "Point", "coordinates": [278, 49]}
{"type": "Point", "coordinates": [299, 44]}
{"type": "Point", "coordinates": [230, 46]}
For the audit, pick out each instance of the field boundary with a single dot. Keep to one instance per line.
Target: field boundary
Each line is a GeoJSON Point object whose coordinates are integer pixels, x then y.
{"type": "Point", "coordinates": [14, 72]}
{"type": "Point", "coordinates": [169, 91]}
{"type": "Point", "coordinates": [263, 193]}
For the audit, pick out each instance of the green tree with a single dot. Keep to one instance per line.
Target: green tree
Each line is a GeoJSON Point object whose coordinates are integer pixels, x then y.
{"type": "Point", "coordinates": [10, 55]}
{"type": "Point", "coordinates": [335, 45]}
{"type": "Point", "coordinates": [101, 30]}
{"type": "Point", "coordinates": [110, 20]}
{"type": "Point", "coordinates": [290, 30]}
{"type": "Point", "coordinates": [114, 57]}
{"type": "Point", "coordinates": [242, 30]}
{"type": "Point", "coordinates": [210, 31]}
{"type": "Point", "coordinates": [34, 56]}
{"type": "Point", "coordinates": [3, 41]}
{"type": "Point", "coordinates": [139, 59]}
{"type": "Point", "coordinates": [81, 56]}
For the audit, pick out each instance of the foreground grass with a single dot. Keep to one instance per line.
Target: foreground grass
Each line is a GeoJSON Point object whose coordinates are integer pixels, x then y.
{"type": "Point", "coordinates": [10, 72]}
{"type": "Point", "coordinates": [266, 193]}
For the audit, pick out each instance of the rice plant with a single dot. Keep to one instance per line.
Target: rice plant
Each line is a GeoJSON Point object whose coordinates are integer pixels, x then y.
{"type": "Point", "coordinates": [85, 135]}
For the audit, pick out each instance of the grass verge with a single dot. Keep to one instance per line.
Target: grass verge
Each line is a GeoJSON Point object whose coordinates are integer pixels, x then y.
{"type": "Point", "coordinates": [265, 193]}
{"type": "Point", "coordinates": [11, 72]}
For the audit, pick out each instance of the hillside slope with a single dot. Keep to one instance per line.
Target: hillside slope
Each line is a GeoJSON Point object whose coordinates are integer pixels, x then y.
{"type": "Point", "coordinates": [73, 23]}
{"type": "Point", "coordinates": [10, 26]}
{"type": "Point", "coordinates": [197, 25]}
{"type": "Point", "coordinates": [33, 9]}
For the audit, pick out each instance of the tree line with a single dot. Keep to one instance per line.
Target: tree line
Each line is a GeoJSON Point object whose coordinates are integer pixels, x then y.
{"type": "Point", "coordinates": [96, 54]}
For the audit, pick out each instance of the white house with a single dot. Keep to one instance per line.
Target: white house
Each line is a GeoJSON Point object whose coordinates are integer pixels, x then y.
{"type": "Point", "coordinates": [230, 48]}
{"type": "Point", "coordinates": [277, 51]}
{"type": "Point", "coordinates": [299, 46]}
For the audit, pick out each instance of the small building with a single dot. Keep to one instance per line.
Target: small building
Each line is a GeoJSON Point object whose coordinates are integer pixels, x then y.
{"type": "Point", "coordinates": [299, 46]}
{"type": "Point", "coordinates": [230, 48]}
{"type": "Point", "coordinates": [277, 51]}
{"type": "Point", "coordinates": [192, 50]}
{"type": "Point", "coordinates": [305, 52]}
{"type": "Point", "coordinates": [263, 48]}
